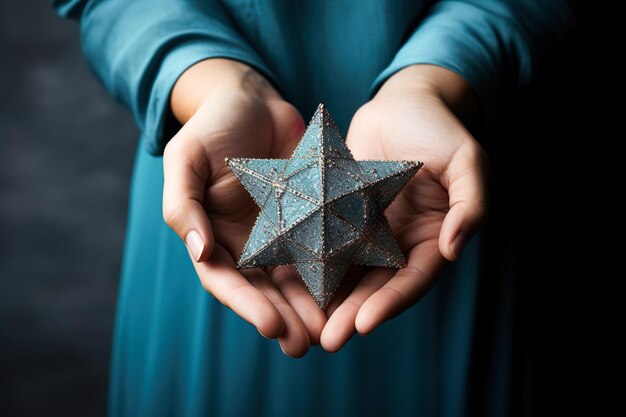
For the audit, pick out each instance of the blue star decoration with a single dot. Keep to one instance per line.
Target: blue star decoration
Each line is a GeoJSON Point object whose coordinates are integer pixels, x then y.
{"type": "Point", "coordinates": [322, 210]}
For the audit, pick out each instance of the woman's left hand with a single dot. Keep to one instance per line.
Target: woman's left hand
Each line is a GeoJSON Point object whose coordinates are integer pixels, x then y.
{"type": "Point", "coordinates": [415, 117]}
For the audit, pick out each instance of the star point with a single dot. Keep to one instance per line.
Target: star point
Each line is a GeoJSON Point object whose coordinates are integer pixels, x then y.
{"type": "Point", "coordinates": [322, 210]}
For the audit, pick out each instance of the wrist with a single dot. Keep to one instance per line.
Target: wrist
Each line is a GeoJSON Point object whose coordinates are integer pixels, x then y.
{"type": "Point", "coordinates": [436, 81]}
{"type": "Point", "coordinates": [215, 76]}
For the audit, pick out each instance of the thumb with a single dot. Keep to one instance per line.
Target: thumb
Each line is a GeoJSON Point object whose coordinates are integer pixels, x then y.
{"type": "Point", "coordinates": [186, 172]}
{"type": "Point", "coordinates": [465, 179]}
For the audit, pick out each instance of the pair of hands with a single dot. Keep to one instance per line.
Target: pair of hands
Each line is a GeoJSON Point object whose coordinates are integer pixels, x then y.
{"type": "Point", "coordinates": [229, 110]}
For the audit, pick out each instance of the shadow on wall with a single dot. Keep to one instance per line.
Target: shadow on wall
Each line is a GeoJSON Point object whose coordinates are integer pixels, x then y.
{"type": "Point", "coordinates": [66, 151]}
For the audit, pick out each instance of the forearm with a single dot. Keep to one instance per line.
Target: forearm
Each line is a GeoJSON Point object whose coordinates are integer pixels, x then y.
{"type": "Point", "coordinates": [139, 49]}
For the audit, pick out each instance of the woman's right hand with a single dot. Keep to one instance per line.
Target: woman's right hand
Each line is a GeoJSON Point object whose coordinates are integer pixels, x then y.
{"type": "Point", "coordinates": [229, 110]}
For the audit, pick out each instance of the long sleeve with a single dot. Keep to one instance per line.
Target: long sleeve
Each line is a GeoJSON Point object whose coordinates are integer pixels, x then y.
{"type": "Point", "coordinates": [495, 45]}
{"type": "Point", "coordinates": [139, 48]}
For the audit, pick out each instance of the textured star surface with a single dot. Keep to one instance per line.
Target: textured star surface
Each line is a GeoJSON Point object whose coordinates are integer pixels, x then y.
{"type": "Point", "coordinates": [322, 210]}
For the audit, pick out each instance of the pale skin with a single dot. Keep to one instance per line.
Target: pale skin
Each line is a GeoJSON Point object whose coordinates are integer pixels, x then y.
{"type": "Point", "coordinates": [229, 110]}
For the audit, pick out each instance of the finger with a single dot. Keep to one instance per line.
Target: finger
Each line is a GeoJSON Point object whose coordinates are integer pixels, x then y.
{"type": "Point", "coordinates": [186, 172]}
{"type": "Point", "coordinates": [220, 278]}
{"type": "Point", "coordinates": [294, 340]}
{"type": "Point", "coordinates": [466, 183]}
{"type": "Point", "coordinates": [341, 324]}
{"type": "Point", "coordinates": [347, 285]}
{"type": "Point", "coordinates": [288, 282]}
{"type": "Point", "coordinates": [406, 287]}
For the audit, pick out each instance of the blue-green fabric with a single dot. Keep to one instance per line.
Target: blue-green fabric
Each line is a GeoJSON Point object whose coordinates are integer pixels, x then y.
{"type": "Point", "coordinates": [177, 351]}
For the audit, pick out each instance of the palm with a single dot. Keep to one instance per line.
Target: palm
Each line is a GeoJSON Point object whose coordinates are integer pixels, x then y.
{"type": "Point", "coordinates": [238, 125]}
{"type": "Point", "coordinates": [417, 214]}
{"type": "Point", "coordinates": [249, 128]}
{"type": "Point", "coordinates": [408, 131]}
{"type": "Point", "coordinates": [415, 127]}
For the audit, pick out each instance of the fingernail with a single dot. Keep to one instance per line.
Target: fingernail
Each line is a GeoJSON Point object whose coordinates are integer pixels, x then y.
{"type": "Point", "coordinates": [195, 244]}
{"type": "Point", "coordinates": [262, 334]}
{"type": "Point", "coordinates": [457, 244]}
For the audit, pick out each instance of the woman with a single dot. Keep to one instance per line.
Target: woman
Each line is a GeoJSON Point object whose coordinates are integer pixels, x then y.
{"type": "Point", "coordinates": [401, 78]}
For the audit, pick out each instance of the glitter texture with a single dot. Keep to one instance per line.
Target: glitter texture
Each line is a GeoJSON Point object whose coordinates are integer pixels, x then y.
{"type": "Point", "coordinates": [322, 210]}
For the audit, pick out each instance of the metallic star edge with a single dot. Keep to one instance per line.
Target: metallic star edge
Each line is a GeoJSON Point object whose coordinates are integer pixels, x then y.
{"type": "Point", "coordinates": [322, 196]}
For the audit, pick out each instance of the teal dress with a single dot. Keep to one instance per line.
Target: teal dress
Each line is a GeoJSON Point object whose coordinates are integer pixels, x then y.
{"type": "Point", "coordinates": [177, 351]}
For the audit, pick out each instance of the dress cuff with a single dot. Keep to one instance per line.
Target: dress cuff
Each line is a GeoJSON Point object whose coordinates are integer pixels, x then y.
{"type": "Point", "coordinates": [470, 41]}
{"type": "Point", "coordinates": [160, 124]}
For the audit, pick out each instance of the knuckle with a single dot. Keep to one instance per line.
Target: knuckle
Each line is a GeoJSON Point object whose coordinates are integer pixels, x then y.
{"type": "Point", "coordinates": [172, 148]}
{"type": "Point", "coordinates": [174, 215]}
{"type": "Point", "coordinates": [478, 153]}
{"type": "Point", "coordinates": [206, 286]}
{"type": "Point", "coordinates": [481, 212]}
{"type": "Point", "coordinates": [363, 114]}
{"type": "Point", "coordinates": [413, 271]}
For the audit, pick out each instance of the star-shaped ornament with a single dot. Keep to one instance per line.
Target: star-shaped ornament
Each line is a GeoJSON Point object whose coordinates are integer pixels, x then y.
{"type": "Point", "coordinates": [322, 210]}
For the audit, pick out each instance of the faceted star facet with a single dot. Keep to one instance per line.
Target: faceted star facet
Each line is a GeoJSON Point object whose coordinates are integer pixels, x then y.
{"type": "Point", "coordinates": [322, 210]}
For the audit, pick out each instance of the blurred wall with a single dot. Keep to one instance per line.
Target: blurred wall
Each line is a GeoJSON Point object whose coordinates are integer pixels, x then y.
{"type": "Point", "coordinates": [66, 152]}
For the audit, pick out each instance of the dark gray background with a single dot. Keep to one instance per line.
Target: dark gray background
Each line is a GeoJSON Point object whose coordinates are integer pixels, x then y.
{"type": "Point", "coordinates": [66, 151]}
